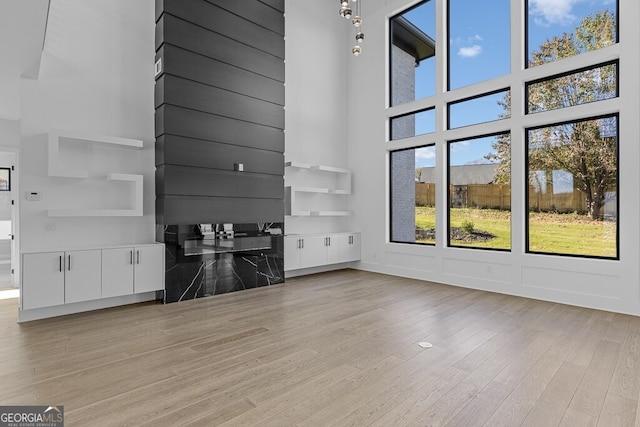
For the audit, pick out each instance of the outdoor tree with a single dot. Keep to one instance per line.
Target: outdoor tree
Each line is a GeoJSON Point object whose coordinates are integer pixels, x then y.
{"type": "Point", "coordinates": [585, 149]}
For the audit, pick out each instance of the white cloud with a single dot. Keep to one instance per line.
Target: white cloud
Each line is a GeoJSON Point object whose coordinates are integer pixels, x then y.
{"type": "Point", "coordinates": [459, 146]}
{"type": "Point", "coordinates": [470, 39]}
{"type": "Point", "coordinates": [470, 51]}
{"type": "Point", "coordinates": [425, 154]}
{"type": "Point", "coordinates": [549, 12]}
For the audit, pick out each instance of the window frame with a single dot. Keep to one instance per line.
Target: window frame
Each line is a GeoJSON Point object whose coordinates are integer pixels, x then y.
{"type": "Point", "coordinates": [517, 125]}
{"type": "Point", "coordinates": [391, 229]}
{"type": "Point", "coordinates": [527, 84]}
{"type": "Point", "coordinates": [8, 169]}
{"type": "Point", "coordinates": [410, 113]}
{"type": "Point", "coordinates": [471, 98]}
{"type": "Point", "coordinates": [526, 32]}
{"type": "Point", "coordinates": [390, 56]}
{"type": "Point", "coordinates": [448, 216]}
{"type": "Point", "coordinates": [447, 74]}
{"type": "Point", "coordinates": [527, 242]}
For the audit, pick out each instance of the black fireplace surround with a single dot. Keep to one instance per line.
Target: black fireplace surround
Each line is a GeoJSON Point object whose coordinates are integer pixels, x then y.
{"type": "Point", "coordinates": [210, 259]}
{"type": "Point", "coordinates": [219, 152]}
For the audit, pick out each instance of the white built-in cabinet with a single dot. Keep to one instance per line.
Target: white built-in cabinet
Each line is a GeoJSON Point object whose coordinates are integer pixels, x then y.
{"type": "Point", "coordinates": [65, 277]}
{"type": "Point", "coordinates": [313, 250]}
{"type": "Point", "coordinates": [42, 280]}
{"type": "Point", "coordinates": [82, 275]}
{"type": "Point", "coordinates": [130, 270]}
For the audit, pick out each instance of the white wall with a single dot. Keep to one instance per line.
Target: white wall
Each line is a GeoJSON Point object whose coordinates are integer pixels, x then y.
{"type": "Point", "coordinates": [318, 48]}
{"type": "Point", "coordinates": [315, 116]}
{"type": "Point", "coordinates": [9, 132]}
{"type": "Point", "coordinates": [96, 76]}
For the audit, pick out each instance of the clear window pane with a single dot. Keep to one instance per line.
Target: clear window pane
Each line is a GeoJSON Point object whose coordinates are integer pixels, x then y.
{"type": "Point", "coordinates": [413, 53]}
{"type": "Point", "coordinates": [481, 109]}
{"type": "Point", "coordinates": [582, 87]}
{"type": "Point", "coordinates": [480, 192]}
{"type": "Point", "coordinates": [573, 188]}
{"type": "Point", "coordinates": [413, 210]}
{"type": "Point", "coordinates": [413, 124]}
{"type": "Point", "coordinates": [561, 29]}
{"type": "Point", "coordinates": [479, 41]}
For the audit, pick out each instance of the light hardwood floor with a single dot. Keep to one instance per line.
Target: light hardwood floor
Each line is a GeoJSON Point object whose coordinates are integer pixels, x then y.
{"type": "Point", "coordinates": [339, 348]}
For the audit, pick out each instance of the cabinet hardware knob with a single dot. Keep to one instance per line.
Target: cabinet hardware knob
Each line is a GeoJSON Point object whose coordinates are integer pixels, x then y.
{"type": "Point", "coordinates": [138, 257]}
{"type": "Point", "coordinates": [69, 264]}
{"type": "Point", "coordinates": [60, 265]}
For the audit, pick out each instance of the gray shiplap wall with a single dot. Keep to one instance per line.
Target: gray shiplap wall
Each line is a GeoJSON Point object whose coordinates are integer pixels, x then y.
{"type": "Point", "coordinates": [219, 101]}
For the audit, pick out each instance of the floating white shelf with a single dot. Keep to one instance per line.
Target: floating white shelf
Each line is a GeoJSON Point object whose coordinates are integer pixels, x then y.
{"type": "Point", "coordinates": [298, 165]}
{"type": "Point", "coordinates": [330, 213]}
{"type": "Point", "coordinates": [54, 169]}
{"type": "Point", "coordinates": [330, 169]}
{"type": "Point", "coordinates": [90, 212]}
{"type": "Point", "coordinates": [333, 182]}
{"type": "Point", "coordinates": [311, 190]}
{"type": "Point", "coordinates": [135, 211]}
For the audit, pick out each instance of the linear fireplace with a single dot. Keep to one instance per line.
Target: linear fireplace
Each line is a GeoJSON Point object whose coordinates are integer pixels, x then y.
{"type": "Point", "coordinates": [210, 259]}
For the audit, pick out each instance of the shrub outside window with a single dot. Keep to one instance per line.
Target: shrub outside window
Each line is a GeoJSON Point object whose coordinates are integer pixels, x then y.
{"type": "Point", "coordinates": [480, 192]}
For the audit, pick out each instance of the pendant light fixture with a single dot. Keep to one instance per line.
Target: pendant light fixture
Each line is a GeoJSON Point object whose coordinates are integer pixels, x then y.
{"type": "Point", "coordinates": [347, 13]}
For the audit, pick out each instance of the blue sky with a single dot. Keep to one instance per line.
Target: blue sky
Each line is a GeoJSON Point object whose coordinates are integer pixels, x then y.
{"type": "Point", "coordinates": [479, 45]}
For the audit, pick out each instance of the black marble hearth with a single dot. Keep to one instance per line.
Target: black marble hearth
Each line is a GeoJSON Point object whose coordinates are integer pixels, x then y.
{"type": "Point", "coordinates": [210, 259]}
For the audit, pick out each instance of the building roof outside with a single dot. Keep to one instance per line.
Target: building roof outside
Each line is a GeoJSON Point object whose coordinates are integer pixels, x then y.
{"type": "Point", "coordinates": [483, 173]}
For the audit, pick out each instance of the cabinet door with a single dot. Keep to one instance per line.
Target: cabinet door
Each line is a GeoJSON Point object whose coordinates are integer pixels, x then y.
{"type": "Point", "coordinates": [334, 249]}
{"type": "Point", "coordinates": [314, 251]}
{"type": "Point", "coordinates": [82, 275]}
{"type": "Point", "coordinates": [42, 280]}
{"type": "Point", "coordinates": [292, 248]}
{"type": "Point", "coordinates": [352, 247]}
{"type": "Point", "coordinates": [117, 272]}
{"type": "Point", "coordinates": [148, 268]}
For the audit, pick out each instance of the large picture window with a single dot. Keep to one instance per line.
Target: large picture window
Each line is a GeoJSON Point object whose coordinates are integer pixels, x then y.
{"type": "Point", "coordinates": [572, 194]}
{"type": "Point", "coordinates": [480, 192]}
{"type": "Point", "coordinates": [413, 54]}
{"type": "Point", "coordinates": [413, 124]}
{"type": "Point", "coordinates": [575, 88]}
{"type": "Point", "coordinates": [413, 197]}
{"type": "Point", "coordinates": [481, 111]}
{"type": "Point", "coordinates": [561, 29]}
{"type": "Point", "coordinates": [479, 41]}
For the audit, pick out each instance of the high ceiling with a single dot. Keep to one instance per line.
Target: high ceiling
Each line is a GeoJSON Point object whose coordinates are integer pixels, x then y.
{"type": "Point", "coordinates": [22, 30]}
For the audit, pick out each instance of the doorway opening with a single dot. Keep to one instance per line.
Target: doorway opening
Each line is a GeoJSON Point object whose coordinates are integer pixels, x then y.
{"type": "Point", "coordinates": [7, 222]}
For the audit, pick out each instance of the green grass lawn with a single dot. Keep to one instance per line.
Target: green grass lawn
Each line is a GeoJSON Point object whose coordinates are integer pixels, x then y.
{"type": "Point", "coordinates": [549, 232]}
{"type": "Point", "coordinates": [571, 234]}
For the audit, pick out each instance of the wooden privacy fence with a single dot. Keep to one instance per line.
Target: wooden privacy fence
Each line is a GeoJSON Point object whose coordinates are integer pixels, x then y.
{"type": "Point", "coordinates": [498, 196]}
